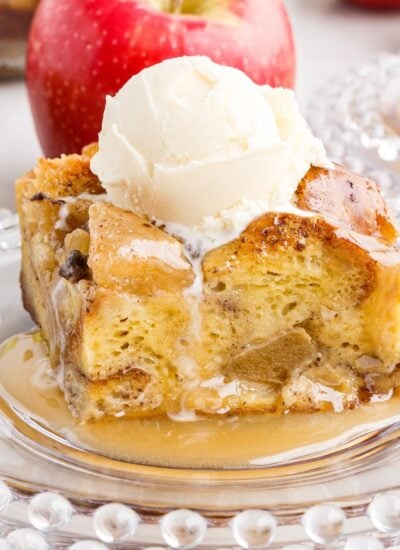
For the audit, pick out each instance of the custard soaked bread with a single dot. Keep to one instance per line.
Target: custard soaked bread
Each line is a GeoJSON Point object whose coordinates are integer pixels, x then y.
{"type": "Point", "coordinates": [301, 312]}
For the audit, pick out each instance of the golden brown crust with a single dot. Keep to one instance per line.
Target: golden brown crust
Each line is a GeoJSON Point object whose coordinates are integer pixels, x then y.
{"type": "Point", "coordinates": [273, 233]}
{"type": "Point", "coordinates": [349, 199]}
{"type": "Point", "coordinates": [88, 398]}
{"type": "Point", "coordinates": [63, 177]}
{"type": "Point", "coordinates": [117, 237]}
{"type": "Point", "coordinates": [28, 299]}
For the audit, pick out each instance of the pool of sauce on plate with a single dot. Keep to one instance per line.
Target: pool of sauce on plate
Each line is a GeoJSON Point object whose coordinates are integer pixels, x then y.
{"type": "Point", "coordinates": [210, 443]}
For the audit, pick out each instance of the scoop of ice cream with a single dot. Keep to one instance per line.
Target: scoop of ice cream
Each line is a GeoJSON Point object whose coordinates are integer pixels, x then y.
{"type": "Point", "coordinates": [188, 138]}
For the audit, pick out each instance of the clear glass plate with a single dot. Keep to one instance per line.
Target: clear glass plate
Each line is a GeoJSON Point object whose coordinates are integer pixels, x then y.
{"type": "Point", "coordinates": [342, 493]}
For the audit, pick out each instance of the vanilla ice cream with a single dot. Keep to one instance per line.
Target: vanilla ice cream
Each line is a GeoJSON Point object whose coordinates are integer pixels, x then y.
{"type": "Point", "coordinates": [188, 138]}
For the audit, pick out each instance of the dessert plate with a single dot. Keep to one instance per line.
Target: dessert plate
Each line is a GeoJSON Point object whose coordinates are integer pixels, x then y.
{"type": "Point", "coordinates": [321, 482]}
{"type": "Point", "coordinates": [311, 481]}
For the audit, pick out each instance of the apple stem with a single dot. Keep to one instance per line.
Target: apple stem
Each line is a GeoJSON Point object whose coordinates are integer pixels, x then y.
{"type": "Point", "coordinates": [175, 6]}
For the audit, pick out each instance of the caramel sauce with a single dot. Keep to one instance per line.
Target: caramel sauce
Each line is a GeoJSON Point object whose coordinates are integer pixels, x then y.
{"type": "Point", "coordinates": [27, 381]}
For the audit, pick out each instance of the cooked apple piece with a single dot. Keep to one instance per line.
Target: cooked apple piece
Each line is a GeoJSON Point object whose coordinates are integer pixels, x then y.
{"type": "Point", "coordinates": [272, 362]}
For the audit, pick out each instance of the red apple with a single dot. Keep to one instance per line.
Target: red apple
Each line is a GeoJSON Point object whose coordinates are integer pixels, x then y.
{"type": "Point", "coordinates": [377, 4]}
{"type": "Point", "coordinates": [81, 50]}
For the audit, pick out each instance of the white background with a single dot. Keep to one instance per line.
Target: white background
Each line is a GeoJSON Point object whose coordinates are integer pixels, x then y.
{"type": "Point", "coordinates": [330, 37]}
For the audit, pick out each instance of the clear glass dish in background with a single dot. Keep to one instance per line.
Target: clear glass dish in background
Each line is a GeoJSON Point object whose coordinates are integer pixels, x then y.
{"type": "Point", "coordinates": [358, 119]}
{"type": "Point", "coordinates": [15, 20]}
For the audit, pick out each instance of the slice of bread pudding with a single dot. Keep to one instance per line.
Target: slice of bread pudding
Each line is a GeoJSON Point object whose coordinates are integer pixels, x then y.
{"type": "Point", "coordinates": [300, 313]}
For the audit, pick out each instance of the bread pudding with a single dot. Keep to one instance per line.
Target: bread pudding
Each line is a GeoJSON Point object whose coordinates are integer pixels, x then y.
{"type": "Point", "coordinates": [298, 313]}
{"type": "Point", "coordinates": [206, 258]}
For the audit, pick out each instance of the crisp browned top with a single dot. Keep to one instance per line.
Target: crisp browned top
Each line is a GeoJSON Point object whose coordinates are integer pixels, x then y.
{"type": "Point", "coordinates": [342, 197]}
{"type": "Point", "coordinates": [349, 199]}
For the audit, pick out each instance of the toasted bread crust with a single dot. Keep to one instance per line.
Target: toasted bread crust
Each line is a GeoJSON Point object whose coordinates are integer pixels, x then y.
{"type": "Point", "coordinates": [112, 233]}
{"type": "Point", "coordinates": [273, 233]}
{"type": "Point", "coordinates": [348, 199]}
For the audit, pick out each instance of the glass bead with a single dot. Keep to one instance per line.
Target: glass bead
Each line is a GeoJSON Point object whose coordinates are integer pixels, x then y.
{"type": "Point", "coordinates": [115, 522]}
{"type": "Point", "coordinates": [22, 539]}
{"type": "Point", "coordinates": [5, 496]}
{"type": "Point", "coordinates": [254, 528]}
{"type": "Point", "coordinates": [384, 512]}
{"type": "Point", "coordinates": [48, 511]}
{"type": "Point", "coordinates": [387, 151]}
{"type": "Point", "coordinates": [324, 523]}
{"type": "Point", "coordinates": [183, 528]}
